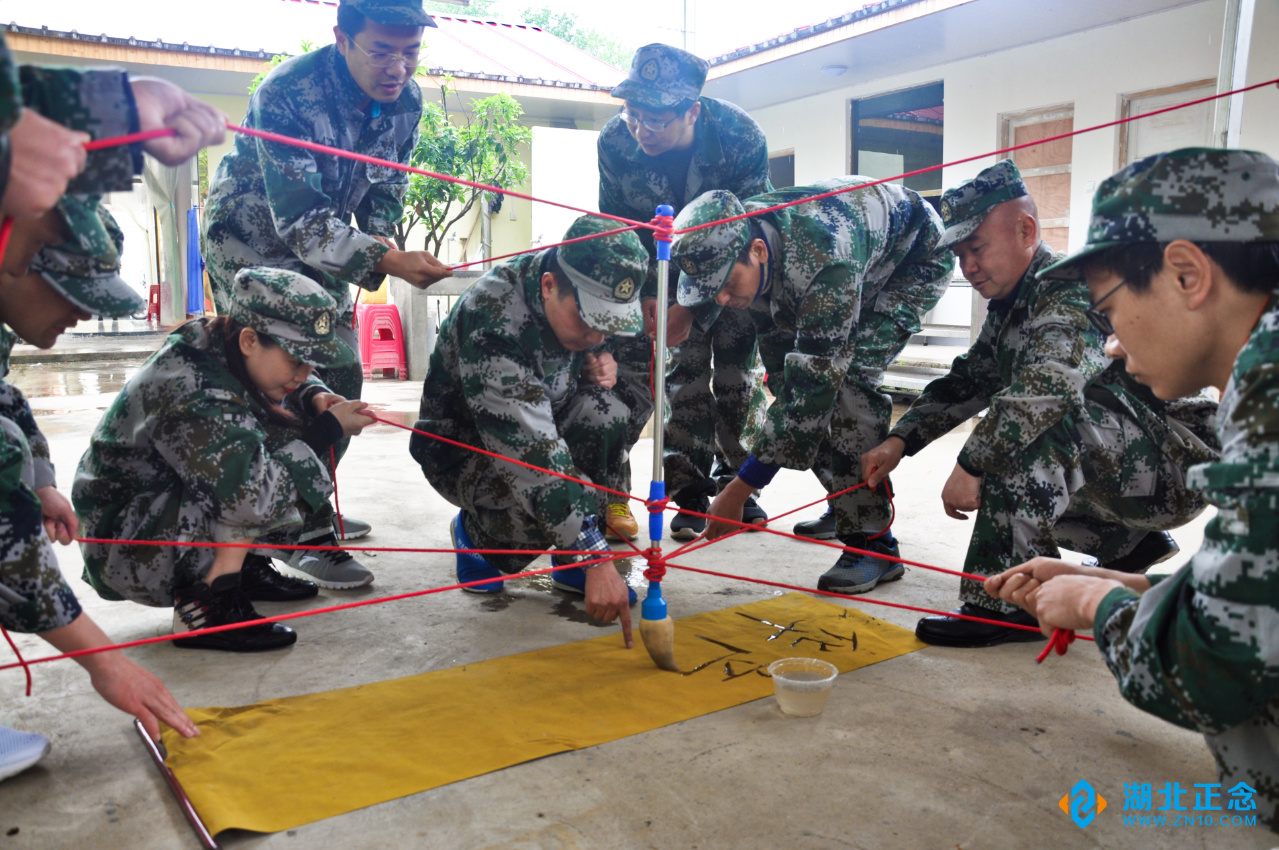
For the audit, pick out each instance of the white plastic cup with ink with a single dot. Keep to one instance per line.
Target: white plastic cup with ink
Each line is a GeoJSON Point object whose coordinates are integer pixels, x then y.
{"type": "Point", "coordinates": [802, 685]}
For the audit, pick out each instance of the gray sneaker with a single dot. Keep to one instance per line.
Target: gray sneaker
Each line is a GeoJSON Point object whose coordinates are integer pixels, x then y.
{"type": "Point", "coordinates": [334, 569]}
{"type": "Point", "coordinates": [858, 573]}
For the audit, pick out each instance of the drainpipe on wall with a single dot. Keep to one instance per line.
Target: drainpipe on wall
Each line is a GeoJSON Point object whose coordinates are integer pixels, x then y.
{"type": "Point", "coordinates": [486, 230]}
{"type": "Point", "coordinates": [1236, 40]}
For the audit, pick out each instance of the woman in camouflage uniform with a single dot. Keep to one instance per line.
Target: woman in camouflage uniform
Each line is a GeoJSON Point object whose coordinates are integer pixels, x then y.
{"type": "Point", "coordinates": [222, 436]}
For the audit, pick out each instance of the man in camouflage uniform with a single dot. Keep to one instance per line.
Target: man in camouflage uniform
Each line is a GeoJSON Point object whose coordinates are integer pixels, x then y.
{"type": "Point", "coordinates": [64, 285]}
{"type": "Point", "coordinates": [668, 147]}
{"type": "Point", "coordinates": [196, 448]}
{"type": "Point", "coordinates": [1182, 264]}
{"type": "Point", "coordinates": [279, 206]}
{"type": "Point", "coordinates": [40, 158]}
{"type": "Point", "coordinates": [1070, 451]}
{"type": "Point", "coordinates": [836, 287]}
{"type": "Point", "coordinates": [518, 371]}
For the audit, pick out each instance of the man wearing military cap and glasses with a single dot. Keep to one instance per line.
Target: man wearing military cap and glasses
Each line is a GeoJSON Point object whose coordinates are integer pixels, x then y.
{"type": "Point", "coordinates": [279, 206]}
{"type": "Point", "coordinates": [1071, 450]}
{"type": "Point", "coordinates": [520, 370]}
{"type": "Point", "coordinates": [668, 146]}
{"type": "Point", "coordinates": [1182, 266]}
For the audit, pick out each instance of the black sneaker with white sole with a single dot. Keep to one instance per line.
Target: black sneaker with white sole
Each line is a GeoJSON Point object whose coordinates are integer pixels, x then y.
{"type": "Point", "coordinates": [202, 606]}
{"type": "Point", "coordinates": [261, 582]}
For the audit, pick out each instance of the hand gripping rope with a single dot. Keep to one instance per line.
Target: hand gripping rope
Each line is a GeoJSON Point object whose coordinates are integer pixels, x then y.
{"type": "Point", "coordinates": [654, 610]}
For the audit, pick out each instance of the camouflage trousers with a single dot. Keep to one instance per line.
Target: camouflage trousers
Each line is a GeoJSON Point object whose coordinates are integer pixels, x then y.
{"type": "Point", "coordinates": [150, 574]}
{"type": "Point", "coordinates": [634, 389]}
{"type": "Point", "coordinates": [1095, 484]}
{"type": "Point", "coordinates": [594, 425]}
{"type": "Point", "coordinates": [860, 422]}
{"type": "Point", "coordinates": [34, 597]}
{"type": "Point", "coordinates": [715, 404]}
{"type": "Point", "coordinates": [1249, 753]}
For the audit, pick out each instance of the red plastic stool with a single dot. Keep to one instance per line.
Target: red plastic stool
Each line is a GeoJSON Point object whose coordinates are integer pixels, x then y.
{"type": "Point", "coordinates": [381, 339]}
{"type": "Point", "coordinates": [153, 303]}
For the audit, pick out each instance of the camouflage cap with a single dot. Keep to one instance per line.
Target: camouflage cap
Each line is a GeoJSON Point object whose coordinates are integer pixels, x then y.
{"type": "Point", "coordinates": [293, 310]}
{"type": "Point", "coordinates": [705, 257]}
{"type": "Point", "coordinates": [662, 76]}
{"type": "Point", "coordinates": [86, 268]}
{"type": "Point", "coordinates": [965, 207]}
{"type": "Point", "coordinates": [396, 13]}
{"type": "Point", "coordinates": [1200, 194]}
{"type": "Point", "coordinates": [607, 273]}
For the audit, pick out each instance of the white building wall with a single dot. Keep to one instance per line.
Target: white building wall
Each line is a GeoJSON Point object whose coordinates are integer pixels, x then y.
{"type": "Point", "coordinates": [1091, 69]}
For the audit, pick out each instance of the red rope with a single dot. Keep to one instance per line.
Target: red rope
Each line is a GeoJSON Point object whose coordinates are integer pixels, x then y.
{"type": "Point", "coordinates": [1060, 640]}
{"type": "Point", "coordinates": [22, 662]}
{"type": "Point", "coordinates": [544, 247]}
{"type": "Point", "coordinates": [448, 178]}
{"type": "Point", "coordinates": [1010, 149]}
{"type": "Point", "coordinates": [298, 614]}
{"type": "Point", "coordinates": [6, 230]}
{"type": "Point", "coordinates": [861, 598]}
{"type": "Point", "coordinates": [313, 146]}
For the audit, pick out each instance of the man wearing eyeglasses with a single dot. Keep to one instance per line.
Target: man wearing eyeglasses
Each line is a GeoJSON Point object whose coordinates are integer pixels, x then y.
{"type": "Point", "coordinates": [1072, 451]}
{"type": "Point", "coordinates": [1182, 260]}
{"type": "Point", "coordinates": [280, 206]}
{"type": "Point", "coordinates": [668, 146]}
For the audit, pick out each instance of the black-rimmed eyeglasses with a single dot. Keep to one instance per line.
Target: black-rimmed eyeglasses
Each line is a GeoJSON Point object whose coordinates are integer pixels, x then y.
{"type": "Point", "coordinates": [1099, 320]}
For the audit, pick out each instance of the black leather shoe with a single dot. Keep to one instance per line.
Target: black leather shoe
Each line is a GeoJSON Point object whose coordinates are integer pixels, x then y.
{"type": "Point", "coordinates": [1154, 548]}
{"type": "Point", "coordinates": [753, 513]}
{"type": "Point", "coordinates": [261, 582]}
{"type": "Point", "coordinates": [822, 528]}
{"type": "Point", "coordinates": [952, 631]}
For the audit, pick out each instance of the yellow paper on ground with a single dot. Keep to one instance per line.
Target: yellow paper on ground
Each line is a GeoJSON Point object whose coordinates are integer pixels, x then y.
{"type": "Point", "coordinates": [346, 749]}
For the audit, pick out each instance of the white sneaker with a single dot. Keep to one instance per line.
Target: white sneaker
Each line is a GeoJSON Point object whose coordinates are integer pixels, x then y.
{"type": "Point", "coordinates": [20, 750]}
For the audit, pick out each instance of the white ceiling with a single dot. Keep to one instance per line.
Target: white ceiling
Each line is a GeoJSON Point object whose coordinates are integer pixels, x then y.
{"type": "Point", "coordinates": [929, 40]}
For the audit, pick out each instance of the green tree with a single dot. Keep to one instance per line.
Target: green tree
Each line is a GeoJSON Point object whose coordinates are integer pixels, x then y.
{"type": "Point", "coordinates": [476, 8]}
{"type": "Point", "coordinates": [482, 148]}
{"type": "Point", "coordinates": [564, 24]}
{"type": "Point", "coordinates": [307, 47]}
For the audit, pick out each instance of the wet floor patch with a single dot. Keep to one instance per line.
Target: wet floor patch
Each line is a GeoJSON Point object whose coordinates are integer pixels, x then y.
{"type": "Point", "coordinates": [71, 380]}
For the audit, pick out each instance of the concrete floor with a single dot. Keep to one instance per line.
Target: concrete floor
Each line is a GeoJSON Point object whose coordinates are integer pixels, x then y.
{"type": "Point", "coordinates": [941, 748]}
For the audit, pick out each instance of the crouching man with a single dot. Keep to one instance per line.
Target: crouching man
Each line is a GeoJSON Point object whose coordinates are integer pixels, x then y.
{"type": "Point", "coordinates": [515, 371]}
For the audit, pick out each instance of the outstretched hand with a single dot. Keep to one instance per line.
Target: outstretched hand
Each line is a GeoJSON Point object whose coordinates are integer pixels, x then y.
{"type": "Point", "coordinates": [161, 104]}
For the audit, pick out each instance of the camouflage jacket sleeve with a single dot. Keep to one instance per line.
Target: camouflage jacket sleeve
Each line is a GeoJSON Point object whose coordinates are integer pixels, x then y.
{"type": "Point", "coordinates": [14, 406]}
{"type": "Point", "coordinates": [514, 418]}
{"type": "Point", "coordinates": [10, 94]}
{"type": "Point", "coordinates": [1050, 371]}
{"type": "Point", "coordinates": [814, 369]}
{"type": "Point", "coordinates": [303, 215]}
{"type": "Point", "coordinates": [248, 479]}
{"type": "Point", "coordinates": [382, 207]}
{"type": "Point", "coordinates": [1198, 649]}
{"type": "Point", "coordinates": [953, 398]}
{"type": "Point", "coordinates": [98, 102]}
{"type": "Point", "coordinates": [34, 597]}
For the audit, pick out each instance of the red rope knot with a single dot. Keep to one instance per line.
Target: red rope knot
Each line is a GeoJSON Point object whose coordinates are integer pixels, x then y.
{"type": "Point", "coordinates": [664, 227]}
{"type": "Point", "coordinates": [656, 506]}
{"type": "Point", "coordinates": [656, 564]}
{"type": "Point", "coordinates": [1060, 640]}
